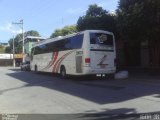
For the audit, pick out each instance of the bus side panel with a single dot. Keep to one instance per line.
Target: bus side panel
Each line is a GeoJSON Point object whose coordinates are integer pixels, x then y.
{"type": "Point", "coordinates": [42, 62]}
{"type": "Point", "coordinates": [68, 62]}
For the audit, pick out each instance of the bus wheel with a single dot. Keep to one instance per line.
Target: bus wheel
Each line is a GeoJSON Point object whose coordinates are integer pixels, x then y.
{"type": "Point", "coordinates": [35, 68]}
{"type": "Point", "coordinates": [63, 72]}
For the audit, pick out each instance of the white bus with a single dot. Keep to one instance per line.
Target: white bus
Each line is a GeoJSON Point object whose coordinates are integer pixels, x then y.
{"type": "Point", "coordinates": [89, 52]}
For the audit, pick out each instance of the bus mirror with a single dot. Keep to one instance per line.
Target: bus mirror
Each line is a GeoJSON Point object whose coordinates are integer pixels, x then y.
{"type": "Point", "coordinates": [102, 38]}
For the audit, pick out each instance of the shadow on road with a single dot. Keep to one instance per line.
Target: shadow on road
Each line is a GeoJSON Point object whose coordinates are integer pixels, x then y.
{"type": "Point", "coordinates": [107, 115]}
{"type": "Point", "coordinates": [16, 70]}
{"type": "Point", "coordinates": [105, 93]}
{"type": "Point", "coordinates": [114, 114]}
{"type": "Point", "coordinates": [119, 114]}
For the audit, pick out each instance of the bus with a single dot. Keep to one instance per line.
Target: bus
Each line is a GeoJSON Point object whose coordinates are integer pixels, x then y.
{"type": "Point", "coordinates": [89, 52]}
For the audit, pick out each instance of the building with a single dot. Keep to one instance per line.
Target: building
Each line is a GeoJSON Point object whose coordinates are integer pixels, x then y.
{"type": "Point", "coordinates": [29, 41]}
{"type": "Point", "coordinates": [6, 59]}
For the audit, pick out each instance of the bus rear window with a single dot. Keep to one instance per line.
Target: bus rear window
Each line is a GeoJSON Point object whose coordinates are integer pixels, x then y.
{"type": "Point", "coordinates": [101, 39]}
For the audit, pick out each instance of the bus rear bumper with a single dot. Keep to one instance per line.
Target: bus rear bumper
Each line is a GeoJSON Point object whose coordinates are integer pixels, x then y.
{"type": "Point", "coordinates": [90, 71]}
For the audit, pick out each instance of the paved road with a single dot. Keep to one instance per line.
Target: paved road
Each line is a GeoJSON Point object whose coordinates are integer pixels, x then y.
{"type": "Point", "coordinates": [27, 92]}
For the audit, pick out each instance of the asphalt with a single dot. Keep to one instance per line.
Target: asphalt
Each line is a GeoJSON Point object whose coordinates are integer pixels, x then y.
{"type": "Point", "coordinates": [82, 97]}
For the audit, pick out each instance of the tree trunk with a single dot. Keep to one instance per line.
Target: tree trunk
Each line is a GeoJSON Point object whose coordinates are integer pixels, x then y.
{"type": "Point", "coordinates": [154, 53]}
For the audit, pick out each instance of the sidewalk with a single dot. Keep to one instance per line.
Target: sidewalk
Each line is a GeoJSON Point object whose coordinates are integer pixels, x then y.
{"type": "Point", "coordinates": [136, 76]}
{"type": "Point", "coordinates": [144, 74]}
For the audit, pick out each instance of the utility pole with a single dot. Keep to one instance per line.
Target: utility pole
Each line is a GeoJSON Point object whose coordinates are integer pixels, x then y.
{"type": "Point", "coordinates": [13, 53]}
{"type": "Point", "coordinates": [21, 23]}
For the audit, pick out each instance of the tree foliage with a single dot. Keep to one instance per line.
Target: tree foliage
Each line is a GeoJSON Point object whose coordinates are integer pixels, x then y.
{"type": "Point", "coordinates": [2, 49]}
{"type": "Point", "coordinates": [8, 49]}
{"type": "Point", "coordinates": [96, 18]}
{"type": "Point", "coordinates": [64, 31]}
{"type": "Point", "coordinates": [32, 33]}
{"type": "Point", "coordinates": [139, 20]}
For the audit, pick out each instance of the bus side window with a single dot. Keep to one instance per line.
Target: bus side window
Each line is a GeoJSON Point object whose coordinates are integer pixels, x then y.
{"type": "Point", "coordinates": [76, 42]}
{"type": "Point", "coordinates": [67, 44]}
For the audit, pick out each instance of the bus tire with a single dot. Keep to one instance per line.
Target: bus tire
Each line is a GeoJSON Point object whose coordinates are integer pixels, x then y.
{"type": "Point", "coordinates": [21, 69]}
{"type": "Point", "coordinates": [63, 72]}
{"type": "Point", "coordinates": [35, 68]}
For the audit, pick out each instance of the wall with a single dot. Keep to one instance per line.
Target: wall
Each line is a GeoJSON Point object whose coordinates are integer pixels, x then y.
{"type": "Point", "coordinates": [6, 62]}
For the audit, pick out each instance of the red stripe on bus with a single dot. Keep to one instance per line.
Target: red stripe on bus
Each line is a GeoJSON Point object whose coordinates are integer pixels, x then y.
{"type": "Point", "coordinates": [59, 61]}
{"type": "Point", "coordinates": [58, 66]}
{"type": "Point", "coordinates": [52, 62]}
{"type": "Point", "coordinates": [54, 67]}
{"type": "Point", "coordinates": [54, 59]}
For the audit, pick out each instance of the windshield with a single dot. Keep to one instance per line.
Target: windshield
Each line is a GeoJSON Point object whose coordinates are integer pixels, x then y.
{"type": "Point", "coordinates": [101, 39]}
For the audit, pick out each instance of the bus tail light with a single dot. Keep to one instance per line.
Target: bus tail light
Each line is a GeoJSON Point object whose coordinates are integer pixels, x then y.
{"type": "Point", "coordinates": [87, 60]}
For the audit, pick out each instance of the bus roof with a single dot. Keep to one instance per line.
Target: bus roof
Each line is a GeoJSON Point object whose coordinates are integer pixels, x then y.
{"type": "Point", "coordinates": [70, 35]}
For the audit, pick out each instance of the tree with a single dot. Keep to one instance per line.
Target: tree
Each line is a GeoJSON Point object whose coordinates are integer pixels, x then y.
{"type": "Point", "coordinates": [64, 31]}
{"type": "Point", "coordinates": [8, 49]}
{"type": "Point", "coordinates": [32, 33]}
{"type": "Point", "coordinates": [2, 49]}
{"type": "Point", "coordinates": [96, 18]}
{"type": "Point", "coordinates": [139, 20]}
{"type": "Point", "coordinates": [95, 11]}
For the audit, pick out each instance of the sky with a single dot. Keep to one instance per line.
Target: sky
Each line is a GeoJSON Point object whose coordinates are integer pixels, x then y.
{"type": "Point", "coordinates": [44, 16]}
